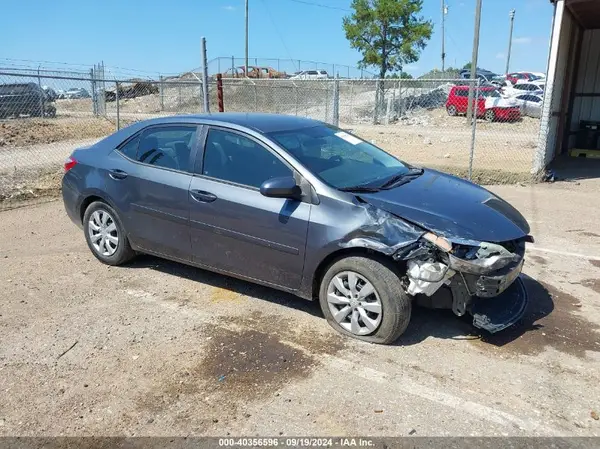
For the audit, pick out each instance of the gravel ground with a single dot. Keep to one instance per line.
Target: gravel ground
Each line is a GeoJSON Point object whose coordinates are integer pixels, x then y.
{"type": "Point", "coordinates": [158, 348]}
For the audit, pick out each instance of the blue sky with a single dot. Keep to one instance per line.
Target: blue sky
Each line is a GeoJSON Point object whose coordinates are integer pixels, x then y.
{"type": "Point", "coordinates": [165, 36]}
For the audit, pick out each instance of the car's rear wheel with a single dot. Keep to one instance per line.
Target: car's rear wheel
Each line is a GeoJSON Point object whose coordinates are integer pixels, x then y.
{"type": "Point", "coordinates": [105, 234]}
{"type": "Point", "coordinates": [363, 298]}
{"type": "Point", "coordinates": [452, 110]}
{"type": "Point", "coordinates": [490, 115]}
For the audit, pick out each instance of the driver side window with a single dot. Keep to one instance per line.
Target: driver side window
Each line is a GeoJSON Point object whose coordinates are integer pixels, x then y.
{"type": "Point", "coordinates": [232, 157]}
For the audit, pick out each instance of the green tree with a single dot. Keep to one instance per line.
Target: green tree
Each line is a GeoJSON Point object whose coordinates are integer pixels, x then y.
{"type": "Point", "coordinates": [388, 33]}
{"type": "Point", "coordinates": [467, 66]}
{"type": "Point", "coordinates": [399, 75]}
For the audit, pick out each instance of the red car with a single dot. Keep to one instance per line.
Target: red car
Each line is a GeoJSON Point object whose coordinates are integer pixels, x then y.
{"type": "Point", "coordinates": [489, 104]}
{"type": "Point", "coordinates": [516, 76]}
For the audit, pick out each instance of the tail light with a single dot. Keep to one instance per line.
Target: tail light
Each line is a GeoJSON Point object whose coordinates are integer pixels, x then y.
{"type": "Point", "coordinates": [70, 162]}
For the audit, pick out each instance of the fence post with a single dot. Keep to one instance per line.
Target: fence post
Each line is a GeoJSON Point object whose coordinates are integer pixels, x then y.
{"type": "Point", "coordinates": [377, 101]}
{"type": "Point", "coordinates": [473, 128]}
{"type": "Point", "coordinates": [336, 102]}
{"type": "Point", "coordinates": [94, 93]}
{"type": "Point", "coordinates": [205, 77]}
{"type": "Point", "coordinates": [42, 108]}
{"type": "Point", "coordinates": [232, 66]}
{"type": "Point", "coordinates": [255, 99]}
{"type": "Point", "coordinates": [117, 101]}
{"type": "Point", "coordinates": [351, 100]}
{"type": "Point", "coordinates": [220, 92]}
{"type": "Point", "coordinates": [327, 102]}
{"type": "Point", "coordinates": [388, 111]}
{"type": "Point", "coordinates": [161, 93]}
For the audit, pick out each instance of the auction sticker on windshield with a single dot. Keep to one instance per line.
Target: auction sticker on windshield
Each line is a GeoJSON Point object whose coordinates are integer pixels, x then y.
{"type": "Point", "coordinates": [348, 138]}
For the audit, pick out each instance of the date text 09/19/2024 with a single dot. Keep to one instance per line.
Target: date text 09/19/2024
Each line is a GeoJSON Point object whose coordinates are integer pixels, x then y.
{"type": "Point", "coordinates": [296, 442]}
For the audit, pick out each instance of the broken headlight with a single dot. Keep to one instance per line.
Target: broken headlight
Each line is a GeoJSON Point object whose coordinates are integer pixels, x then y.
{"type": "Point", "coordinates": [480, 259]}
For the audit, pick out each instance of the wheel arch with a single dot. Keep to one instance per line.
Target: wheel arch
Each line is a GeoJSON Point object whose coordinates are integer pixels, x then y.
{"type": "Point", "coordinates": [89, 199]}
{"type": "Point", "coordinates": [342, 253]}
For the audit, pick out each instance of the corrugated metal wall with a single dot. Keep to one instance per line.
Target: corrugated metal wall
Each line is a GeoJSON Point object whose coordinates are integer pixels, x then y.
{"type": "Point", "coordinates": [586, 105]}
{"type": "Point", "coordinates": [556, 87]}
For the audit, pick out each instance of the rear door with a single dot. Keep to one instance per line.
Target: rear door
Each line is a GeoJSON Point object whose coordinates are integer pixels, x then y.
{"type": "Point", "coordinates": [148, 180]}
{"type": "Point", "coordinates": [234, 228]}
{"type": "Point", "coordinates": [462, 100]}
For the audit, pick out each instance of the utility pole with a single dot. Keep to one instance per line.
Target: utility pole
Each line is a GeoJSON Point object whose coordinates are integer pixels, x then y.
{"type": "Point", "coordinates": [474, 59]}
{"type": "Point", "coordinates": [512, 21]}
{"type": "Point", "coordinates": [444, 12]}
{"type": "Point", "coordinates": [246, 54]}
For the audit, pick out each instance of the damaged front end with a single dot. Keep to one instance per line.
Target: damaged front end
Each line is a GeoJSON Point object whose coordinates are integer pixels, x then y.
{"type": "Point", "coordinates": [480, 278]}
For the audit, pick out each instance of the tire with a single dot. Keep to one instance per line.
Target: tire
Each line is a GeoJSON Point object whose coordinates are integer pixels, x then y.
{"type": "Point", "coordinates": [452, 111]}
{"type": "Point", "coordinates": [121, 250]}
{"type": "Point", "coordinates": [395, 305]}
{"type": "Point", "coordinates": [490, 115]}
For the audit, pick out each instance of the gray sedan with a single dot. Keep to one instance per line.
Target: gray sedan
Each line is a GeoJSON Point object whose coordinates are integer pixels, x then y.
{"type": "Point", "coordinates": [306, 208]}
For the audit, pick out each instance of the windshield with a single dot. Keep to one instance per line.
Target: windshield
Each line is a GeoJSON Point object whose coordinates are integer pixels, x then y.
{"type": "Point", "coordinates": [339, 158]}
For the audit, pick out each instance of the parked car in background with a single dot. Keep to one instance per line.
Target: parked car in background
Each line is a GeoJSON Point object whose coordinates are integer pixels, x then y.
{"type": "Point", "coordinates": [485, 77]}
{"type": "Point", "coordinates": [515, 77]}
{"type": "Point", "coordinates": [511, 90]}
{"type": "Point", "coordinates": [311, 75]}
{"type": "Point", "coordinates": [540, 83]}
{"type": "Point", "coordinates": [77, 93]}
{"type": "Point", "coordinates": [490, 104]}
{"type": "Point", "coordinates": [322, 214]}
{"type": "Point", "coordinates": [51, 94]}
{"type": "Point", "coordinates": [531, 105]}
{"type": "Point", "coordinates": [25, 99]}
{"type": "Point", "coordinates": [537, 75]}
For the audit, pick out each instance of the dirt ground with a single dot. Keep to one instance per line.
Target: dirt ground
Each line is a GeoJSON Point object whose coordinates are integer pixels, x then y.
{"type": "Point", "coordinates": [158, 348]}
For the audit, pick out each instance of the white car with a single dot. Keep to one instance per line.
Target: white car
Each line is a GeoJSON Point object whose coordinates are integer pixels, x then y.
{"type": "Point", "coordinates": [540, 83]}
{"type": "Point", "coordinates": [522, 88]}
{"type": "Point", "coordinates": [531, 105]}
{"type": "Point", "coordinates": [311, 75]}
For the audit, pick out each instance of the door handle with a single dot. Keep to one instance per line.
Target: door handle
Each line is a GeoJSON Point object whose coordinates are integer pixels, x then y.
{"type": "Point", "coordinates": [202, 196]}
{"type": "Point", "coordinates": [117, 174]}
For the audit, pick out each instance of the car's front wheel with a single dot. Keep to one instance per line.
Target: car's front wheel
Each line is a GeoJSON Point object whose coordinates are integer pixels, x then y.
{"type": "Point", "coordinates": [363, 298]}
{"type": "Point", "coordinates": [105, 234]}
{"type": "Point", "coordinates": [490, 115]}
{"type": "Point", "coordinates": [452, 111]}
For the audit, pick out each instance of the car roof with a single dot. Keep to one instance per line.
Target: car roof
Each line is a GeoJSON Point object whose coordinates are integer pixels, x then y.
{"type": "Point", "coordinates": [263, 123]}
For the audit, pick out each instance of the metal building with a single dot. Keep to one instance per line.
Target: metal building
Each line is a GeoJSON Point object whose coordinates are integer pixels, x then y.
{"type": "Point", "coordinates": [572, 95]}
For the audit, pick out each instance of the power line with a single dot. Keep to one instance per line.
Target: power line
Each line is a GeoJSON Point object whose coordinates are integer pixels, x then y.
{"type": "Point", "coordinates": [279, 34]}
{"type": "Point", "coordinates": [320, 5]}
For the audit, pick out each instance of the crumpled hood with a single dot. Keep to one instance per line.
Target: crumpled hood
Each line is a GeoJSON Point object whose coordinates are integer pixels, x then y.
{"type": "Point", "coordinates": [452, 207]}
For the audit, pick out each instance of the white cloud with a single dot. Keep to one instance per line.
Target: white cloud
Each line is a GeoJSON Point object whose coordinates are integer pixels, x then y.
{"type": "Point", "coordinates": [229, 8]}
{"type": "Point", "coordinates": [522, 40]}
{"type": "Point", "coordinates": [500, 56]}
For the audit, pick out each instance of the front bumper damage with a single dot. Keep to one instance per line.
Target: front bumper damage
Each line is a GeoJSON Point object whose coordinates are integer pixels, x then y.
{"type": "Point", "coordinates": [478, 278]}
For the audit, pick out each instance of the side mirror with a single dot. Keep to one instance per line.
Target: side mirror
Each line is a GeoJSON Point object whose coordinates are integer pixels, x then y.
{"type": "Point", "coordinates": [284, 187]}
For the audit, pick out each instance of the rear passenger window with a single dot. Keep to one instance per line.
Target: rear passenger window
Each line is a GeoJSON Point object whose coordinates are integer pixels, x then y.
{"type": "Point", "coordinates": [167, 147]}
{"type": "Point", "coordinates": [232, 157]}
{"type": "Point", "coordinates": [130, 147]}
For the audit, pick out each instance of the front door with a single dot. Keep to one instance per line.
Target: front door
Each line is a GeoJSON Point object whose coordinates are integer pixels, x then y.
{"type": "Point", "coordinates": [236, 229]}
{"type": "Point", "coordinates": [148, 180]}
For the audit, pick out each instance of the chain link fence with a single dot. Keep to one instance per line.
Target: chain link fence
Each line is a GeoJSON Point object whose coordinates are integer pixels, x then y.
{"type": "Point", "coordinates": [44, 116]}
